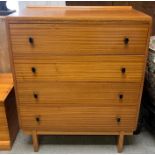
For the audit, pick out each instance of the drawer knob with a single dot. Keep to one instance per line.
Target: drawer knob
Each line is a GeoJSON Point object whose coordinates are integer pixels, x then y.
{"type": "Point", "coordinates": [126, 40]}
{"type": "Point", "coordinates": [118, 119]}
{"type": "Point", "coordinates": [121, 96]}
{"type": "Point", "coordinates": [33, 70]}
{"type": "Point", "coordinates": [37, 119]}
{"type": "Point", "coordinates": [31, 41]}
{"type": "Point", "coordinates": [123, 70]}
{"type": "Point", "coordinates": [35, 95]}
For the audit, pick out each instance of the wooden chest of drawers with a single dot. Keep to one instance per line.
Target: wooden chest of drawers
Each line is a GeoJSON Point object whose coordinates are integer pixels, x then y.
{"type": "Point", "coordinates": [79, 70]}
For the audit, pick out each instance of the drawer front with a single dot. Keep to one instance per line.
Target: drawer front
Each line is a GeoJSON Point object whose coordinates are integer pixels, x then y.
{"type": "Point", "coordinates": [78, 93]}
{"type": "Point", "coordinates": [79, 38]}
{"type": "Point", "coordinates": [78, 119]}
{"type": "Point", "coordinates": [88, 69]}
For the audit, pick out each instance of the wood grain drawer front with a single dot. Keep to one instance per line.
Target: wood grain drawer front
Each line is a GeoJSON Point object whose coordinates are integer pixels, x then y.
{"type": "Point", "coordinates": [78, 93]}
{"type": "Point", "coordinates": [80, 71]}
{"type": "Point", "coordinates": [78, 119]}
{"type": "Point", "coordinates": [79, 38]}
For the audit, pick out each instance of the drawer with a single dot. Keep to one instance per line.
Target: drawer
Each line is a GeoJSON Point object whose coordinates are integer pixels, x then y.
{"type": "Point", "coordinates": [78, 119]}
{"type": "Point", "coordinates": [78, 93]}
{"type": "Point", "coordinates": [79, 38]}
{"type": "Point", "coordinates": [68, 68]}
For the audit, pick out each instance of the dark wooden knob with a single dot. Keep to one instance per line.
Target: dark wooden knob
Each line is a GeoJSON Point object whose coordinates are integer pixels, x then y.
{"type": "Point", "coordinates": [35, 95]}
{"type": "Point", "coordinates": [126, 40]}
{"type": "Point", "coordinates": [31, 40]}
{"type": "Point", "coordinates": [123, 70]}
{"type": "Point", "coordinates": [37, 119]}
{"type": "Point", "coordinates": [33, 70]}
{"type": "Point", "coordinates": [118, 119]}
{"type": "Point", "coordinates": [120, 96]}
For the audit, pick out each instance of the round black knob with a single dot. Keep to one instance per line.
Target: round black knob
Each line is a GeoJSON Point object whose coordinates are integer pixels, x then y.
{"type": "Point", "coordinates": [35, 95]}
{"type": "Point", "coordinates": [31, 41]}
{"type": "Point", "coordinates": [37, 119]}
{"type": "Point", "coordinates": [118, 119]}
{"type": "Point", "coordinates": [126, 40]}
{"type": "Point", "coordinates": [120, 96]}
{"type": "Point", "coordinates": [33, 70]}
{"type": "Point", "coordinates": [123, 70]}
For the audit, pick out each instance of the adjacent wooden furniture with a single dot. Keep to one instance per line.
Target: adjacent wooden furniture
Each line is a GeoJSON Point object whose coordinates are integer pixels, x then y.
{"type": "Point", "coordinates": [79, 70]}
{"type": "Point", "coordinates": [8, 112]}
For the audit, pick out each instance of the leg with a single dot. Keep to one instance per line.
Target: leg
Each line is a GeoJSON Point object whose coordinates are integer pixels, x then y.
{"type": "Point", "coordinates": [120, 142]}
{"type": "Point", "coordinates": [35, 141]}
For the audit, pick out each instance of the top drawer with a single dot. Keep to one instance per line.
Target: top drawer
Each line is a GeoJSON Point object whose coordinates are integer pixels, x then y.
{"type": "Point", "coordinates": [79, 38]}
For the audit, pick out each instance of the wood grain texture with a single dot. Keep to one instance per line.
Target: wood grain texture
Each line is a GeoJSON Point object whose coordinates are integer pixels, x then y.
{"type": "Point", "coordinates": [115, 133]}
{"type": "Point", "coordinates": [44, 58]}
{"type": "Point", "coordinates": [6, 86]}
{"type": "Point", "coordinates": [5, 145]}
{"type": "Point", "coordinates": [4, 91]}
{"type": "Point", "coordinates": [4, 136]}
{"type": "Point", "coordinates": [79, 39]}
{"type": "Point", "coordinates": [78, 93]}
{"type": "Point", "coordinates": [143, 6]}
{"type": "Point", "coordinates": [89, 3]}
{"type": "Point", "coordinates": [88, 70]}
{"type": "Point", "coordinates": [8, 114]}
{"type": "Point", "coordinates": [35, 140]}
{"type": "Point", "coordinates": [120, 142]}
{"type": "Point", "coordinates": [74, 64]}
{"type": "Point", "coordinates": [77, 119]}
{"type": "Point", "coordinates": [50, 14]}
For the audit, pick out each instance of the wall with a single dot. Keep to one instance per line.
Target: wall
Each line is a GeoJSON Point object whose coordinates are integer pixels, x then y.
{"type": "Point", "coordinates": [4, 54]}
{"type": "Point", "coordinates": [23, 4]}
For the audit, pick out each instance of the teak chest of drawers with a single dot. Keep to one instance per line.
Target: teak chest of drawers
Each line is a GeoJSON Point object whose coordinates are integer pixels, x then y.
{"type": "Point", "coordinates": [78, 70]}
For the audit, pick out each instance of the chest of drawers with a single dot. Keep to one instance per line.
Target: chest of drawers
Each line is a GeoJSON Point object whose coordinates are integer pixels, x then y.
{"type": "Point", "coordinates": [78, 70]}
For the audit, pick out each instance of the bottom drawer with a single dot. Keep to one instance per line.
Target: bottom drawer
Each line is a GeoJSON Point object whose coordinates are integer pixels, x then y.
{"type": "Point", "coordinates": [78, 119]}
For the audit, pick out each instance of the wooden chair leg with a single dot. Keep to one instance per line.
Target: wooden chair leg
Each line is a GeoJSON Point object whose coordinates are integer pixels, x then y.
{"type": "Point", "coordinates": [35, 141]}
{"type": "Point", "coordinates": [120, 142]}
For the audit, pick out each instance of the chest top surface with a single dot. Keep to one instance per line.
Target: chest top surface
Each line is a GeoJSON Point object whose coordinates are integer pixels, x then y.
{"type": "Point", "coordinates": [80, 13]}
{"type": "Point", "coordinates": [6, 85]}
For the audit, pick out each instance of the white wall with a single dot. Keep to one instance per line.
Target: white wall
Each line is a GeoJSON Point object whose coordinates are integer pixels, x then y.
{"type": "Point", "coordinates": [23, 4]}
{"type": "Point", "coordinates": [18, 4]}
{"type": "Point", "coordinates": [4, 53]}
{"type": "Point", "coordinates": [12, 4]}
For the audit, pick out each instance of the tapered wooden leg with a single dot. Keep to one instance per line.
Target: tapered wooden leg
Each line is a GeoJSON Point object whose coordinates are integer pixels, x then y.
{"type": "Point", "coordinates": [35, 141]}
{"type": "Point", "coordinates": [120, 142]}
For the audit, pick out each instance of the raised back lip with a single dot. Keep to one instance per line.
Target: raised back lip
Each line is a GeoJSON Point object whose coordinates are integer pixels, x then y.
{"type": "Point", "coordinates": [83, 7]}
